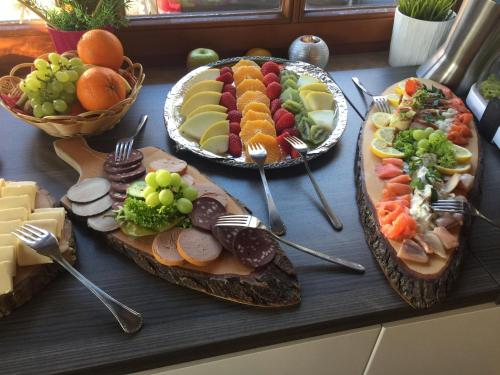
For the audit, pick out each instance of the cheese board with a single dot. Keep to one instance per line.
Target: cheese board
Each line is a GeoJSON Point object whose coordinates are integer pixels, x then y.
{"type": "Point", "coordinates": [32, 272]}
{"type": "Point", "coordinates": [426, 149]}
{"type": "Point", "coordinates": [223, 276]}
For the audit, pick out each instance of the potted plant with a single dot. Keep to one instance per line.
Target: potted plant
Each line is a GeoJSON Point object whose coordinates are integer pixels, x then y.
{"type": "Point", "coordinates": [420, 27]}
{"type": "Point", "coordinates": [70, 19]}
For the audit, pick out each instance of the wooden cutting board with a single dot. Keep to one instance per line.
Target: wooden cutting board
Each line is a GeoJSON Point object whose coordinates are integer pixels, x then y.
{"type": "Point", "coordinates": [30, 280]}
{"type": "Point", "coordinates": [420, 285]}
{"type": "Point", "coordinates": [274, 285]}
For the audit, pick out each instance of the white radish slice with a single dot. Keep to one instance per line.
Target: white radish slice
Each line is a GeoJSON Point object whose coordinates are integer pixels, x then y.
{"type": "Point", "coordinates": [88, 190]}
{"type": "Point", "coordinates": [93, 208]}
{"type": "Point", "coordinates": [104, 222]}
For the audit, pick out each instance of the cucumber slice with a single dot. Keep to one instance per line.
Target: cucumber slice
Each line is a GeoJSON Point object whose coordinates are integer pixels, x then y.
{"type": "Point", "coordinates": [136, 188]}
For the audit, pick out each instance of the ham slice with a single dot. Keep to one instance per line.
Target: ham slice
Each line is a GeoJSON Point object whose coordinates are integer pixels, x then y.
{"type": "Point", "coordinates": [449, 241]}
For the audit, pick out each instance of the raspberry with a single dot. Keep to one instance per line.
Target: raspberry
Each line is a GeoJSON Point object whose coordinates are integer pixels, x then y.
{"type": "Point", "coordinates": [292, 131]}
{"type": "Point", "coordinates": [234, 116]}
{"type": "Point", "coordinates": [275, 105]}
{"type": "Point", "coordinates": [273, 91]}
{"type": "Point", "coordinates": [234, 145]}
{"type": "Point", "coordinates": [229, 88]}
{"type": "Point", "coordinates": [225, 77]}
{"type": "Point", "coordinates": [228, 101]}
{"type": "Point", "coordinates": [294, 154]}
{"type": "Point", "coordinates": [270, 67]}
{"type": "Point", "coordinates": [285, 146]}
{"type": "Point", "coordinates": [279, 112]}
{"type": "Point", "coordinates": [234, 127]}
{"type": "Point", "coordinates": [226, 69]}
{"type": "Point", "coordinates": [286, 120]}
{"type": "Point", "coordinates": [271, 77]}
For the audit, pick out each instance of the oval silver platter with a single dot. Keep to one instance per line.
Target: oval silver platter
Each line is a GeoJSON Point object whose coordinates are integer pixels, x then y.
{"type": "Point", "coordinates": [173, 118]}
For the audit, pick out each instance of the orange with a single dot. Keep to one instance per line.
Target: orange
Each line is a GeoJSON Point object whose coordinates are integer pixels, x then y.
{"type": "Point", "coordinates": [251, 96]}
{"type": "Point", "coordinates": [102, 48]}
{"type": "Point", "coordinates": [258, 52]}
{"type": "Point", "coordinates": [247, 72]}
{"type": "Point", "coordinates": [252, 115]}
{"type": "Point", "coordinates": [256, 126]}
{"type": "Point", "coordinates": [250, 84]}
{"type": "Point", "coordinates": [257, 107]}
{"type": "Point", "coordinates": [270, 144]}
{"type": "Point", "coordinates": [100, 88]}
{"type": "Point", "coordinates": [244, 62]}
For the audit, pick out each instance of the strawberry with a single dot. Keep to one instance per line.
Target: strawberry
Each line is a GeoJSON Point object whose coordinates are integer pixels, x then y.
{"type": "Point", "coordinates": [225, 77]}
{"type": "Point", "coordinates": [292, 131]}
{"type": "Point", "coordinates": [284, 145]}
{"type": "Point", "coordinates": [228, 101]}
{"type": "Point", "coordinates": [275, 105]}
{"type": "Point", "coordinates": [294, 154]}
{"type": "Point", "coordinates": [279, 112]}
{"type": "Point", "coordinates": [273, 91]}
{"type": "Point", "coordinates": [271, 77]}
{"type": "Point", "coordinates": [286, 120]}
{"type": "Point", "coordinates": [234, 127]}
{"type": "Point", "coordinates": [229, 88]}
{"type": "Point", "coordinates": [234, 145]}
{"type": "Point", "coordinates": [234, 116]}
{"type": "Point", "coordinates": [226, 69]}
{"type": "Point", "coordinates": [270, 67]}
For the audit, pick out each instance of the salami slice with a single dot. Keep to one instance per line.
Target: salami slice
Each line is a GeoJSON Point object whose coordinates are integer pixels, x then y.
{"type": "Point", "coordinates": [205, 212]}
{"type": "Point", "coordinates": [119, 187]}
{"type": "Point", "coordinates": [188, 179]}
{"type": "Point", "coordinates": [212, 191]}
{"type": "Point", "coordinates": [128, 176]}
{"type": "Point", "coordinates": [226, 236]}
{"type": "Point", "coordinates": [88, 190]}
{"type": "Point", "coordinates": [172, 165]}
{"type": "Point", "coordinates": [110, 169]}
{"type": "Point", "coordinates": [254, 247]}
{"type": "Point", "coordinates": [134, 158]}
{"type": "Point", "coordinates": [119, 197]}
{"type": "Point", "coordinates": [198, 247]}
{"type": "Point", "coordinates": [165, 248]}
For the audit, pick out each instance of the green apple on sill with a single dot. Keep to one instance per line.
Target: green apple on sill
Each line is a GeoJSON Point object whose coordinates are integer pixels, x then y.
{"type": "Point", "coordinates": [201, 56]}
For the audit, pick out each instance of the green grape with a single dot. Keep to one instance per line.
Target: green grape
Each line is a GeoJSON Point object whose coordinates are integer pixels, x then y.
{"type": "Point", "coordinates": [190, 193]}
{"type": "Point", "coordinates": [41, 64]}
{"type": "Point", "coordinates": [48, 108]}
{"type": "Point", "coordinates": [166, 197]}
{"type": "Point", "coordinates": [54, 58]}
{"type": "Point", "coordinates": [184, 205]}
{"type": "Point", "coordinates": [55, 68]}
{"type": "Point", "coordinates": [22, 86]}
{"type": "Point", "coordinates": [64, 61]}
{"type": "Point", "coordinates": [79, 69]}
{"type": "Point", "coordinates": [423, 144]}
{"type": "Point", "coordinates": [73, 75]}
{"type": "Point", "coordinates": [69, 87]}
{"type": "Point", "coordinates": [148, 190]}
{"type": "Point", "coordinates": [33, 84]}
{"type": "Point", "coordinates": [153, 199]}
{"type": "Point", "coordinates": [418, 134]}
{"type": "Point", "coordinates": [55, 86]}
{"type": "Point", "coordinates": [43, 75]}
{"type": "Point", "coordinates": [68, 97]}
{"type": "Point", "coordinates": [435, 137]}
{"type": "Point", "coordinates": [175, 180]}
{"type": "Point", "coordinates": [38, 111]}
{"type": "Point", "coordinates": [60, 105]}
{"type": "Point", "coordinates": [35, 101]}
{"type": "Point", "coordinates": [428, 131]}
{"type": "Point", "coordinates": [62, 76]}
{"type": "Point", "coordinates": [162, 177]}
{"type": "Point", "coordinates": [75, 61]}
{"type": "Point", "coordinates": [421, 152]}
{"type": "Point", "coordinates": [151, 180]}
{"type": "Point", "coordinates": [32, 75]}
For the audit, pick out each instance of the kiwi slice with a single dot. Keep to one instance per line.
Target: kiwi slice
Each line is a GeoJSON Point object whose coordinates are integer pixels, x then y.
{"type": "Point", "coordinates": [136, 188]}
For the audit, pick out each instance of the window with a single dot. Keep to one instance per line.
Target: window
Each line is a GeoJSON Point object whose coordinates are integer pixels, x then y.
{"type": "Point", "coordinates": [342, 4]}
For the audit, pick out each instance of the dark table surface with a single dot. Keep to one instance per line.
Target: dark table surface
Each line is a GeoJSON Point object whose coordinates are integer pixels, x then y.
{"type": "Point", "coordinates": [65, 329]}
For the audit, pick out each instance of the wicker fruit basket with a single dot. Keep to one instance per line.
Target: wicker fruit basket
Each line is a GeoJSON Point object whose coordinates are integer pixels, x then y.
{"type": "Point", "coordinates": [63, 126]}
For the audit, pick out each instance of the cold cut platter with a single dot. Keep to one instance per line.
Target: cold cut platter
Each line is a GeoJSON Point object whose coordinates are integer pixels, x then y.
{"type": "Point", "coordinates": [217, 110]}
{"type": "Point", "coordinates": [426, 149]}
{"type": "Point", "coordinates": [159, 211]}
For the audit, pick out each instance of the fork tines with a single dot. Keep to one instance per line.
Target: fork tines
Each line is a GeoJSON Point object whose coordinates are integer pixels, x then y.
{"type": "Point", "coordinates": [297, 143]}
{"type": "Point", "coordinates": [29, 233]}
{"type": "Point", "coordinates": [449, 206]}
{"type": "Point", "coordinates": [381, 104]}
{"type": "Point", "coordinates": [234, 220]}
{"type": "Point", "coordinates": [123, 149]}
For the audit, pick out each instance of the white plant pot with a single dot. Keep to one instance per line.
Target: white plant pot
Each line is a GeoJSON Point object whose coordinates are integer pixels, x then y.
{"type": "Point", "coordinates": [413, 41]}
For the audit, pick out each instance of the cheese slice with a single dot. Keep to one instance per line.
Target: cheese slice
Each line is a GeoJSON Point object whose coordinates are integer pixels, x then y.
{"type": "Point", "coordinates": [14, 213]}
{"type": "Point", "coordinates": [8, 240]}
{"type": "Point", "coordinates": [8, 254]}
{"type": "Point", "coordinates": [16, 201]}
{"type": "Point", "coordinates": [2, 183]}
{"type": "Point", "coordinates": [6, 282]}
{"type": "Point", "coordinates": [51, 213]}
{"type": "Point", "coordinates": [26, 256]}
{"type": "Point", "coordinates": [21, 188]}
{"type": "Point", "coordinates": [47, 224]}
{"type": "Point", "coordinates": [6, 227]}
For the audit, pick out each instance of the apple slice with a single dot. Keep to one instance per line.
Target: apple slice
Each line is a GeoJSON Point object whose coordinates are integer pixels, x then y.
{"type": "Point", "coordinates": [208, 108]}
{"type": "Point", "coordinates": [318, 86]}
{"type": "Point", "coordinates": [306, 79]}
{"type": "Point", "coordinates": [209, 85]}
{"type": "Point", "coordinates": [197, 100]}
{"type": "Point", "coordinates": [195, 126]}
{"type": "Point", "coordinates": [323, 117]}
{"type": "Point", "coordinates": [319, 100]}
{"type": "Point", "coordinates": [303, 96]}
{"type": "Point", "coordinates": [207, 75]}
{"type": "Point", "coordinates": [217, 145]}
{"type": "Point", "coordinates": [219, 128]}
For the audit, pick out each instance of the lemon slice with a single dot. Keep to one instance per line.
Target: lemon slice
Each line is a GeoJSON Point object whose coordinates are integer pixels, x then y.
{"type": "Point", "coordinates": [381, 119]}
{"type": "Point", "coordinates": [386, 135]}
{"type": "Point", "coordinates": [400, 88]}
{"type": "Point", "coordinates": [394, 99]}
{"type": "Point", "coordinates": [383, 150]}
{"type": "Point", "coordinates": [459, 168]}
{"type": "Point", "coordinates": [462, 154]}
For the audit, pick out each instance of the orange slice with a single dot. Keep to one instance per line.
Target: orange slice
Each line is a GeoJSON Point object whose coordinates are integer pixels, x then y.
{"type": "Point", "coordinates": [244, 62]}
{"type": "Point", "coordinates": [253, 115]}
{"type": "Point", "coordinates": [250, 84]}
{"type": "Point", "coordinates": [257, 107]}
{"type": "Point", "coordinates": [252, 96]}
{"type": "Point", "coordinates": [247, 72]}
{"type": "Point", "coordinates": [256, 126]}
{"type": "Point", "coordinates": [270, 144]}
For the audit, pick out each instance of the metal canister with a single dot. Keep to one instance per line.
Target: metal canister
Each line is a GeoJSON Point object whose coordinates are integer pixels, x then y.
{"type": "Point", "coordinates": [310, 49]}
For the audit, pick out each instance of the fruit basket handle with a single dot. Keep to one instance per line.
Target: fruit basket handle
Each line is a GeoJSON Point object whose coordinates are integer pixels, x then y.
{"type": "Point", "coordinates": [18, 67]}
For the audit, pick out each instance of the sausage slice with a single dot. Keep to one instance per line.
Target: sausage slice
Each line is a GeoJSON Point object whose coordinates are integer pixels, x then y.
{"type": "Point", "coordinates": [205, 212]}
{"type": "Point", "coordinates": [254, 247]}
{"type": "Point", "coordinates": [165, 248]}
{"type": "Point", "coordinates": [135, 157]}
{"type": "Point", "coordinates": [172, 165]}
{"type": "Point", "coordinates": [198, 247]}
{"type": "Point", "coordinates": [128, 176]}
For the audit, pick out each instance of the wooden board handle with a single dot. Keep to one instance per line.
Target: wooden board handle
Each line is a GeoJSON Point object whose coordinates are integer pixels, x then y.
{"type": "Point", "coordinates": [77, 153]}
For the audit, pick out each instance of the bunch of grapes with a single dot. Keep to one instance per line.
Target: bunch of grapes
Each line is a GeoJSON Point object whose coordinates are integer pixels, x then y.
{"type": "Point", "coordinates": [167, 188]}
{"type": "Point", "coordinates": [51, 87]}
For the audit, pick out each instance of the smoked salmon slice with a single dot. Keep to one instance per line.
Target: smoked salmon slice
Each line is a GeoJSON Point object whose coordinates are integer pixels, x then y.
{"type": "Point", "coordinates": [393, 161]}
{"type": "Point", "coordinates": [402, 179]}
{"type": "Point", "coordinates": [403, 227]}
{"type": "Point", "coordinates": [393, 190]}
{"type": "Point", "coordinates": [386, 171]}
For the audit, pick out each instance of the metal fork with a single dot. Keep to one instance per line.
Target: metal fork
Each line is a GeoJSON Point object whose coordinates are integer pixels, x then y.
{"type": "Point", "coordinates": [44, 242]}
{"type": "Point", "coordinates": [460, 207]}
{"type": "Point", "coordinates": [302, 149]}
{"type": "Point", "coordinates": [258, 154]}
{"type": "Point", "coordinates": [380, 102]}
{"type": "Point", "coordinates": [248, 221]}
{"type": "Point", "coordinates": [123, 147]}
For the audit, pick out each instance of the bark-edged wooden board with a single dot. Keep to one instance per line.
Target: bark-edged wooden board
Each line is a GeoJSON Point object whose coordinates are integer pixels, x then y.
{"type": "Point", "coordinates": [421, 286]}
{"type": "Point", "coordinates": [275, 285]}
{"type": "Point", "coordinates": [30, 280]}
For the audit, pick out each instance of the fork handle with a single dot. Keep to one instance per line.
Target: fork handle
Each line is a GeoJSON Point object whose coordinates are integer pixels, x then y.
{"type": "Point", "coordinates": [334, 219]}
{"type": "Point", "coordinates": [358, 83]}
{"type": "Point", "coordinates": [130, 321]}
{"type": "Point", "coordinates": [475, 212]}
{"type": "Point", "coordinates": [275, 221]}
{"type": "Point", "coordinates": [142, 122]}
{"type": "Point", "coordinates": [332, 259]}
